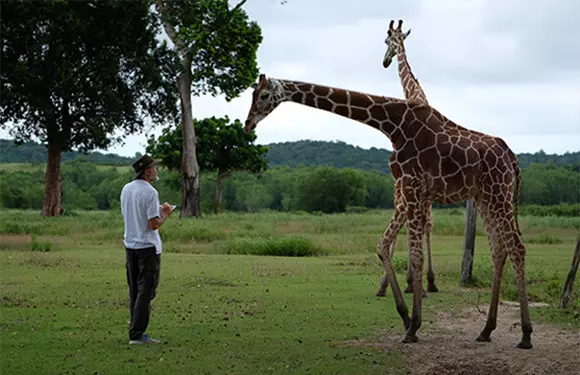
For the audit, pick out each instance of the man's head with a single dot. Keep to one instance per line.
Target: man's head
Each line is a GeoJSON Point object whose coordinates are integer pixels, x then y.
{"type": "Point", "coordinates": [394, 41]}
{"type": "Point", "coordinates": [146, 168]}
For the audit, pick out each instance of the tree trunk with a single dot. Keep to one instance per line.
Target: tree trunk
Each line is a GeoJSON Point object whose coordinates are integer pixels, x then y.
{"type": "Point", "coordinates": [468, 242]}
{"type": "Point", "coordinates": [190, 189]}
{"type": "Point", "coordinates": [51, 206]}
{"type": "Point", "coordinates": [567, 292]}
{"type": "Point", "coordinates": [218, 194]}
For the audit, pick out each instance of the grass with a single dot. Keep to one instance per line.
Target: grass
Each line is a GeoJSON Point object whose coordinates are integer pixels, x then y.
{"type": "Point", "coordinates": [241, 293]}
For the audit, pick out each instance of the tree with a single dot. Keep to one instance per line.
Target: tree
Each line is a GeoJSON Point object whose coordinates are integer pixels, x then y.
{"type": "Point", "coordinates": [217, 47]}
{"type": "Point", "coordinates": [76, 72]}
{"type": "Point", "coordinates": [222, 147]}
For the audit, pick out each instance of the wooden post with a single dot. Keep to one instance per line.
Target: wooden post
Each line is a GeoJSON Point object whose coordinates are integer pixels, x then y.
{"type": "Point", "coordinates": [468, 242]}
{"type": "Point", "coordinates": [567, 292]}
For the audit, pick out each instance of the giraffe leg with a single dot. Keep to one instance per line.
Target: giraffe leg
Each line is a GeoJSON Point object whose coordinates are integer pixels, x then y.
{"type": "Point", "coordinates": [416, 226]}
{"type": "Point", "coordinates": [517, 254]}
{"type": "Point", "coordinates": [390, 236]}
{"type": "Point", "coordinates": [385, 254]}
{"type": "Point", "coordinates": [428, 228]}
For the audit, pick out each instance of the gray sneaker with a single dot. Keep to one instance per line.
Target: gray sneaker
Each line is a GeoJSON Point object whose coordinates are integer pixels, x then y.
{"type": "Point", "coordinates": [144, 339]}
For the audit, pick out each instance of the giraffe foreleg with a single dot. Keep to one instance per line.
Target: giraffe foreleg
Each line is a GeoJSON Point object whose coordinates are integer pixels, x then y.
{"type": "Point", "coordinates": [386, 256]}
{"type": "Point", "coordinates": [415, 226]}
{"type": "Point", "coordinates": [389, 239]}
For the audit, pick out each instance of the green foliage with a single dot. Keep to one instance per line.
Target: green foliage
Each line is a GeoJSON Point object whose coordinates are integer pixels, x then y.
{"type": "Point", "coordinates": [544, 238]}
{"type": "Point", "coordinates": [276, 246]}
{"type": "Point", "coordinates": [221, 146]}
{"type": "Point", "coordinates": [32, 152]}
{"type": "Point", "coordinates": [42, 246]}
{"type": "Point", "coordinates": [329, 190]}
{"type": "Point", "coordinates": [75, 72]}
{"type": "Point", "coordinates": [221, 44]}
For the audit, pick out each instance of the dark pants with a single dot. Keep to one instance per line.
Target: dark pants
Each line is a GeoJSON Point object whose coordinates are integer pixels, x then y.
{"type": "Point", "coordinates": [143, 266]}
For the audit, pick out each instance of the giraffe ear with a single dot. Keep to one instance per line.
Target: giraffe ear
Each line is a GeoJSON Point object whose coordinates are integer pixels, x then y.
{"type": "Point", "coordinates": [254, 85]}
{"type": "Point", "coordinates": [406, 34]}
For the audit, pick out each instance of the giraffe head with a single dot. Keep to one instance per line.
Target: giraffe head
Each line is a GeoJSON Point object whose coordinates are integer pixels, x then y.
{"type": "Point", "coordinates": [268, 94]}
{"type": "Point", "coordinates": [394, 41]}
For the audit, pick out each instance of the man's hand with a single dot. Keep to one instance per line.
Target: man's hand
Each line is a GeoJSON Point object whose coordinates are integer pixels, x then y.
{"type": "Point", "coordinates": [167, 209]}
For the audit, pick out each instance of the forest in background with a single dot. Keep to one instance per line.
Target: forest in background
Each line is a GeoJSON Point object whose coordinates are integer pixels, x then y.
{"type": "Point", "coordinates": [310, 176]}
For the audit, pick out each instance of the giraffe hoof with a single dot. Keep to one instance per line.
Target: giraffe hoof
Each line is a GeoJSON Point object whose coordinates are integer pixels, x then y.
{"type": "Point", "coordinates": [381, 293]}
{"type": "Point", "coordinates": [482, 338]}
{"type": "Point", "coordinates": [432, 288]}
{"type": "Point", "coordinates": [524, 345]}
{"type": "Point", "coordinates": [410, 339]}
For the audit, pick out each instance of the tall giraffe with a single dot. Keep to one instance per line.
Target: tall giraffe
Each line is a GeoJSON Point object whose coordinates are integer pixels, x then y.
{"type": "Point", "coordinates": [413, 92]}
{"type": "Point", "coordinates": [435, 160]}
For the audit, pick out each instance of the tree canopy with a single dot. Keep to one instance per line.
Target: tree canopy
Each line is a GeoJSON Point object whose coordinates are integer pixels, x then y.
{"type": "Point", "coordinates": [76, 72]}
{"type": "Point", "coordinates": [222, 147]}
{"type": "Point", "coordinates": [217, 47]}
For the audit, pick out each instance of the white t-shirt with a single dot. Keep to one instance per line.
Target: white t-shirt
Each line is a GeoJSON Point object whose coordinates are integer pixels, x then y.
{"type": "Point", "coordinates": [139, 204]}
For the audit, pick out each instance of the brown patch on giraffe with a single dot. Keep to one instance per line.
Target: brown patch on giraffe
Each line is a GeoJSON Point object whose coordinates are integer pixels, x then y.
{"type": "Point", "coordinates": [429, 159]}
{"type": "Point", "coordinates": [338, 96]}
{"type": "Point", "coordinates": [359, 114]}
{"type": "Point", "coordinates": [341, 110]}
{"type": "Point", "coordinates": [378, 112]}
{"type": "Point", "coordinates": [298, 97]}
{"type": "Point", "coordinates": [359, 101]}
{"type": "Point", "coordinates": [309, 99]}
{"type": "Point", "coordinates": [412, 128]}
{"type": "Point", "coordinates": [304, 87]}
{"type": "Point", "coordinates": [449, 348]}
{"type": "Point", "coordinates": [321, 90]}
{"type": "Point", "coordinates": [425, 138]}
{"type": "Point", "coordinates": [325, 104]}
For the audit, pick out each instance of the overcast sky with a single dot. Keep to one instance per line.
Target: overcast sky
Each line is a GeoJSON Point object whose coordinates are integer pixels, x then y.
{"type": "Point", "coordinates": [506, 68]}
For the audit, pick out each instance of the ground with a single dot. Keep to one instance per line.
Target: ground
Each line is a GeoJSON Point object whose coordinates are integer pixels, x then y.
{"type": "Point", "coordinates": [447, 346]}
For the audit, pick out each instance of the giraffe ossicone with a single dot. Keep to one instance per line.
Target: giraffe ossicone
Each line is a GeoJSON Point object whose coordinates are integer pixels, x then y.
{"type": "Point", "coordinates": [435, 160]}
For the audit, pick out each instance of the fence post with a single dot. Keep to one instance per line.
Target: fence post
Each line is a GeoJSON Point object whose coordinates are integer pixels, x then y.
{"type": "Point", "coordinates": [468, 242]}
{"type": "Point", "coordinates": [567, 292]}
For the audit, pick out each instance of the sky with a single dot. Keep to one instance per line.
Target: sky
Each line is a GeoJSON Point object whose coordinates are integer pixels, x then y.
{"type": "Point", "coordinates": [511, 71]}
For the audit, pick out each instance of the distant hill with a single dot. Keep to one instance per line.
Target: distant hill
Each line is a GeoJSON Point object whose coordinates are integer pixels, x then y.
{"type": "Point", "coordinates": [32, 152]}
{"type": "Point", "coordinates": [292, 154]}
{"type": "Point", "coordinates": [340, 154]}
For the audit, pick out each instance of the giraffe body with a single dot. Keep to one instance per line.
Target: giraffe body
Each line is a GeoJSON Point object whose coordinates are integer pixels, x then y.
{"type": "Point", "coordinates": [413, 92]}
{"type": "Point", "coordinates": [434, 160]}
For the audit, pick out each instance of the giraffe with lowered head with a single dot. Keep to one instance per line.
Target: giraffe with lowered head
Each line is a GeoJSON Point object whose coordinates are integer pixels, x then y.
{"type": "Point", "coordinates": [413, 92]}
{"type": "Point", "coordinates": [435, 160]}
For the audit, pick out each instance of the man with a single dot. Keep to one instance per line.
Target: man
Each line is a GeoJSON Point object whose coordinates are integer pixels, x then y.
{"type": "Point", "coordinates": [143, 216]}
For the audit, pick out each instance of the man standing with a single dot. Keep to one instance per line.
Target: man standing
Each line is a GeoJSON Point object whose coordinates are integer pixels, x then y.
{"type": "Point", "coordinates": [143, 216]}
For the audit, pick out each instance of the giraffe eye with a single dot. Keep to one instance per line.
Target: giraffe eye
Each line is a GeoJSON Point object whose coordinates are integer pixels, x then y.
{"type": "Point", "coordinates": [264, 96]}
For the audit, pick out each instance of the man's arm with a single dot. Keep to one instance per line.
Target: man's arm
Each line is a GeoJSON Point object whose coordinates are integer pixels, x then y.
{"type": "Point", "coordinates": [156, 222]}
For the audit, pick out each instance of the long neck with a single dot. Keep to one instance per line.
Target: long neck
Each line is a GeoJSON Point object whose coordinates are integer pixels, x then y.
{"type": "Point", "coordinates": [372, 110]}
{"type": "Point", "coordinates": [411, 86]}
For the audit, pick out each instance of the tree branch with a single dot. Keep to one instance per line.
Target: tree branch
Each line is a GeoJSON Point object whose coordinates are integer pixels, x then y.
{"type": "Point", "coordinates": [163, 10]}
{"type": "Point", "coordinates": [238, 6]}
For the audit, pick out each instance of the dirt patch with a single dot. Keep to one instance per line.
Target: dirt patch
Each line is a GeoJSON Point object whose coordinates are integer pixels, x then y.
{"type": "Point", "coordinates": [448, 346]}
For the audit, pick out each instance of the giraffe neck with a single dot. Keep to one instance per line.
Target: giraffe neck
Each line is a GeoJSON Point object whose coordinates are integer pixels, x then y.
{"type": "Point", "coordinates": [368, 109]}
{"type": "Point", "coordinates": [411, 86]}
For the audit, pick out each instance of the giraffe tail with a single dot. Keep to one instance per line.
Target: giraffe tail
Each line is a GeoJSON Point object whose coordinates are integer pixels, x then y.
{"type": "Point", "coordinates": [517, 171]}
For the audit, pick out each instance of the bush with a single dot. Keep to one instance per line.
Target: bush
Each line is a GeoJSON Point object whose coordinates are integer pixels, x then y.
{"type": "Point", "coordinates": [285, 246]}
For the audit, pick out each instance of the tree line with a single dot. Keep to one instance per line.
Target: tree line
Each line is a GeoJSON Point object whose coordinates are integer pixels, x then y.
{"type": "Point", "coordinates": [290, 154]}
{"type": "Point", "coordinates": [87, 186]}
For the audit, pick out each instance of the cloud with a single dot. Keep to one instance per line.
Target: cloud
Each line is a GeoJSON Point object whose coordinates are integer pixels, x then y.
{"type": "Point", "coordinates": [510, 69]}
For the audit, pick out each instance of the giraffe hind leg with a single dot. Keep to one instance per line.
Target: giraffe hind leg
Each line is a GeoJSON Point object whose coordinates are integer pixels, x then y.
{"type": "Point", "coordinates": [431, 287]}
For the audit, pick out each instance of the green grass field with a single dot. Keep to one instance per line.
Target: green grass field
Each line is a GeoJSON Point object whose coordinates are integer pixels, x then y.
{"type": "Point", "coordinates": [229, 301]}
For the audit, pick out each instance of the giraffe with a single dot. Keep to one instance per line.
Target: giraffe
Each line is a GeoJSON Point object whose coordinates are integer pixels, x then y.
{"type": "Point", "coordinates": [413, 92]}
{"type": "Point", "coordinates": [436, 160]}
